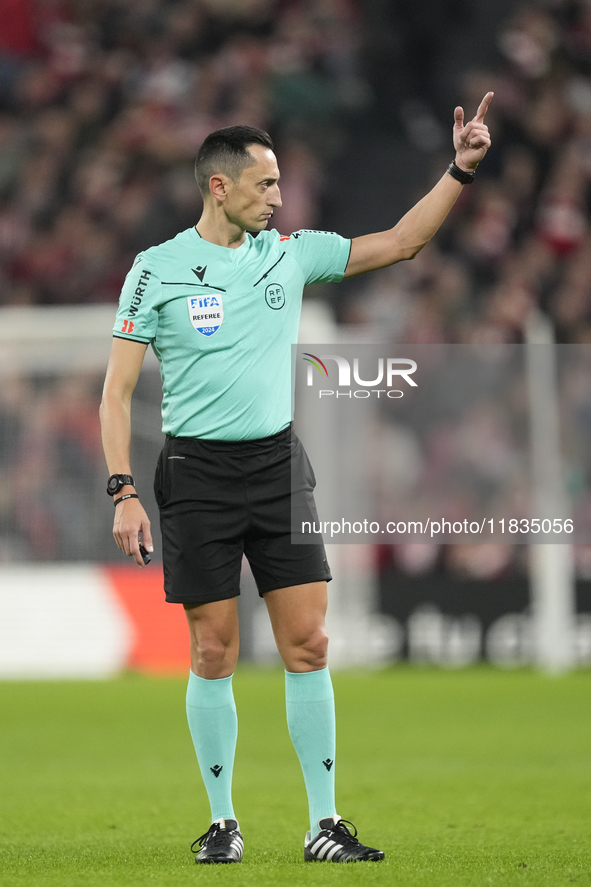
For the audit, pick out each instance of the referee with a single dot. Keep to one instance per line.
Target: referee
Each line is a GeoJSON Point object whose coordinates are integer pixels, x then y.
{"type": "Point", "coordinates": [221, 309]}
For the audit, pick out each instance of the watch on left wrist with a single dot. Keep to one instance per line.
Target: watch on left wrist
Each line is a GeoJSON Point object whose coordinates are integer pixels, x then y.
{"type": "Point", "coordinates": [460, 174]}
{"type": "Point", "coordinates": [117, 481]}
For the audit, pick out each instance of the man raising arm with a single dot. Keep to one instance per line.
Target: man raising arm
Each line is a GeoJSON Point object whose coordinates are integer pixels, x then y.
{"type": "Point", "coordinates": [221, 310]}
{"type": "Point", "coordinates": [368, 253]}
{"type": "Point", "coordinates": [418, 226]}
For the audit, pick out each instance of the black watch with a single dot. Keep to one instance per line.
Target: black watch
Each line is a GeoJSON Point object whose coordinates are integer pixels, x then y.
{"type": "Point", "coordinates": [456, 172]}
{"type": "Point", "coordinates": [117, 481]}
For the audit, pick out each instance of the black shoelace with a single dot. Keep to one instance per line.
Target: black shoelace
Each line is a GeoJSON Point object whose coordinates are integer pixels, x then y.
{"type": "Point", "coordinates": [341, 829]}
{"type": "Point", "coordinates": [215, 836]}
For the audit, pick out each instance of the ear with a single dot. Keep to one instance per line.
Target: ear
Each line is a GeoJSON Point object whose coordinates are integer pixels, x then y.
{"type": "Point", "coordinates": [218, 186]}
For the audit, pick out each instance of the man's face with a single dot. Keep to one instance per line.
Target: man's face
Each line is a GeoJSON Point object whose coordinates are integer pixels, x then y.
{"type": "Point", "coordinates": [250, 202]}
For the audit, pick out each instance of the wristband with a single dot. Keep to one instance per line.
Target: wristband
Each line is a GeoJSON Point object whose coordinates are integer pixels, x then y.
{"type": "Point", "coordinates": [127, 496]}
{"type": "Point", "coordinates": [466, 178]}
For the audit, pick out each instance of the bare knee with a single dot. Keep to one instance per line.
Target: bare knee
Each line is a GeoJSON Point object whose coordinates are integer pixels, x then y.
{"type": "Point", "coordinates": [211, 656]}
{"type": "Point", "coordinates": [214, 644]}
{"type": "Point", "coordinates": [307, 653]}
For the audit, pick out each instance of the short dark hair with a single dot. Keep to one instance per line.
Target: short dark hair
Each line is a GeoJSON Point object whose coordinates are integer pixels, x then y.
{"type": "Point", "coordinates": [226, 151]}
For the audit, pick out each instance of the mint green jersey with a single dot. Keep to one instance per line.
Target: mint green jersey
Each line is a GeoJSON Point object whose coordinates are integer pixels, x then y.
{"type": "Point", "coordinates": [221, 322]}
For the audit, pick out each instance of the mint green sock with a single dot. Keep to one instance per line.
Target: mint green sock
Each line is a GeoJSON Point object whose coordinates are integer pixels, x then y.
{"type": "Point", "coordinates": [211, 713]}
{"type": "Point", "coordinates": [309, 702]}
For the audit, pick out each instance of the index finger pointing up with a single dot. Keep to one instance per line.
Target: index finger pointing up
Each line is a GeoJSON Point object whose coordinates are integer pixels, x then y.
{"type": "Point", "coordinates": [483, 107]}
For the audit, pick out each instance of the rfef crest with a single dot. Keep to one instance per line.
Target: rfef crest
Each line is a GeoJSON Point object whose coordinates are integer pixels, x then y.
{"type": "Point", "coordinates": [206, 313]}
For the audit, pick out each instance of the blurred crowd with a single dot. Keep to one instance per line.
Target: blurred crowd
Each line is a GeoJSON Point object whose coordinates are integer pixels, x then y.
{"type": "Point", "coordinates": [51, 469]}
{"type": "Point", "coordinates": [103, 104]}
{"type": "Point", "coordinates": [519, 238]}
{"type": "Point", "coordinates": [458, 449]}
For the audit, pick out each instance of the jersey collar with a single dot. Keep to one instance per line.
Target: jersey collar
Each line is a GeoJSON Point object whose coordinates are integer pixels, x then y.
{"type": "Point", "coordinates": [225, 250]}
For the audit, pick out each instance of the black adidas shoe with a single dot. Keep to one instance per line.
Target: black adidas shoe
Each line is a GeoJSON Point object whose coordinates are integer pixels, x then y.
{"type": "Point", "coordinates": [336, 843]}
{"type": "Point", "coordinates": [221, 843]}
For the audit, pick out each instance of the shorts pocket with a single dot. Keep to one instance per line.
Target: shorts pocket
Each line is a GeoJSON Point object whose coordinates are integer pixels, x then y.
{"type": "Point", "coordinates": [159, 480]}
{"type": "Point", "coordinates": [302, 472]}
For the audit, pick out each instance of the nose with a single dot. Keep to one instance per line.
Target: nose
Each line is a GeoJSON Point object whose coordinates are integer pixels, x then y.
{"type": "Point", "coordinates": [274, 197]}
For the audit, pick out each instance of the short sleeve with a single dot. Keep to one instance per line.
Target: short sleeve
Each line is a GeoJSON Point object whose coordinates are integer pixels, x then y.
{"type": "Point", "coordinates": [137, 316]}
{"type": "Point", "coordinates": [322, 255]}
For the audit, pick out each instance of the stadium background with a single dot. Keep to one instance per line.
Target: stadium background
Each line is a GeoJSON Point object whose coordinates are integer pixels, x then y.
{"type": "Point", "coordinates": [464, 776]}
{"type": "Point", "coordinates": [102, 105]}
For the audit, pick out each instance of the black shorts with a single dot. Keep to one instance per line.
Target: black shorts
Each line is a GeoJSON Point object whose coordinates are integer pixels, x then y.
{"type": "Point", "coordinates": [221, 499]}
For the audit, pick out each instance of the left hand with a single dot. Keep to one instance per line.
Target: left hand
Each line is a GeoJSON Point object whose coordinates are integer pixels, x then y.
{"type": "Point", "coordinates": [471, 141]}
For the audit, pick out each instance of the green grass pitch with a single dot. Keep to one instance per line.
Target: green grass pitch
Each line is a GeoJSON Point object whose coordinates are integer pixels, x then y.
{"type": "Point", "coordinates": [470, 778]}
